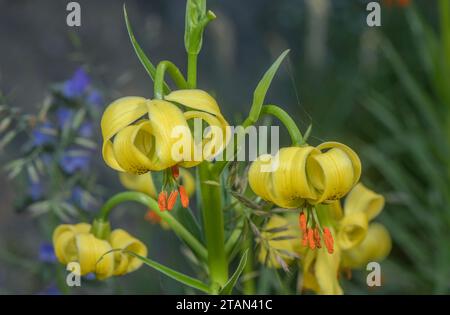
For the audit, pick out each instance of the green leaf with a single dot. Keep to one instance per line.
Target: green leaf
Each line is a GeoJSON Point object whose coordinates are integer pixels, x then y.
{"type": "Point", "coordinates": [148, 65]}
{"type": "Point", "coordinates": [175, 275]}
{"type": "Point", "coordinates": [261, 89]}
{"type": "Point", "coordinates": [228, 288]}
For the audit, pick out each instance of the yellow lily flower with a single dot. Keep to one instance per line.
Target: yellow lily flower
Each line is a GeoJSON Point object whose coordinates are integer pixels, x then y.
{"type": "Point", "coordinates": [138, 134]}
{"type": "Point", "coordinates": [274, 241]}
{"type": "Point", "coordinates": [75, 243]}
{"type": "Point", "coordinates": [306, 175]}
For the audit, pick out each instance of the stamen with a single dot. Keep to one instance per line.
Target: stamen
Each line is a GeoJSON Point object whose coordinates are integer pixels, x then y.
{"type": "Point", "coordinates": [328, 238]}
{"type": "Point", "coordinates": [305, 238]}
{"type": "Point", "coordinates": [312, 243]}
{"type": "Point", "coordinates": [172, 200]}
{"type": "Point", "coordinates": [302, 221]}
{"type": "Point", "coordinates": [183, 196]}
{"type": "Point", "coordinates": [317, 238]}
{"type": "Point", "coordinates": [162, 200]}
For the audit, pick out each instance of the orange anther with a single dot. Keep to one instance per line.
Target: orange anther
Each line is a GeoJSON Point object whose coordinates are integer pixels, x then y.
{"type": "Point", "coordinates": [172, 200]}
{"type": "Point", "coordinates": [183, 196]}
{"type": "Point", "coordinates": [302, 221]}
{"type": "Point", "coordinates": [162, 200]}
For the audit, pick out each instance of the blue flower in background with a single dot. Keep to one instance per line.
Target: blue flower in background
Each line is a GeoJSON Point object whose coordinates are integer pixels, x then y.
{"type": "Point", "coordinates": [47, 253]}
{"type": "Point", "coordinates": [77, 85]}
{"type": "Point", "coordinates": [95, 98]}
{"type": "Point", "coordinates": [35, 190]}
{"type": "Point", "coordinates": [64, 116]}
{"type": "Point", "coordinates": [86, 130]}
{"type": "Point", "coordinates": [90, 276]}
{"type": "Point", "coordinates": [44, 134]}
{"type": "Point", "coordinates": [74, 160]}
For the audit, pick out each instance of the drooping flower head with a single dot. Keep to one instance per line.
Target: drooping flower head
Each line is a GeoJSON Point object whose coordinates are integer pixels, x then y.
{"type": "Point", "coordinates": [76, 243]}
{"type": "Point", "coordinates": [303, 177]}
{"type": "Point", "coordinates": [141, 135]}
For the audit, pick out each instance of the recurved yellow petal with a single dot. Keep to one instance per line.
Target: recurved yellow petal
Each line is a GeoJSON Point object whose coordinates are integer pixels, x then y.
{"type": "Point", "coordinates": [375, 247]}
{"type": "Point", "coordinates": [207, 109]}
{"type": "Point", "coordinates": [93, 256]}
{"type": "Point", "coordinates": [167, 122]}
{"type": "Point", "coordinates": [196, 99]}
{"type": "Point", "coordinates": [64, 241]}
{"type": "Point", "coordinates": [335, 171]}
{"type": "Point", "coordinates": [117, 116]}
{"type": "Point", "coordinates": [291, 183]}
{"type": "Point", "coordinates": [352, 230]}
{"type": "Point", "coordinates": [362, 199]}
{"type": "Point", "coordinates": [125, 263]}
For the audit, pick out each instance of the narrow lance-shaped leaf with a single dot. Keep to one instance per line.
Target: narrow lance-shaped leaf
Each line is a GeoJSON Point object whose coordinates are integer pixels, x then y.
{"type": "Point", "coordinates": [148, 65]}
{"type": "Point", "coordinates": [228, 288]}
{"type": "Point", "coordinates": [182, 278]}
{"type": "Point", "coordinates": [262, 87]}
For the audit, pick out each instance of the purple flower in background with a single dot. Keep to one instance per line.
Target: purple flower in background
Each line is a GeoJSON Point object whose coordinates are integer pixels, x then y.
{"type": "Point", "coordinates": [35, 190]}
{"type": "Point", "coordinates": [90, 276]}
{"type": "Point", "coordinates": [64, 116]}
{"type": "Point", "coordinates": [95, 98]}
{"type": "Point", "coordinates": [47, 253]}
{"type": "Point", "coordinates": [86, 130]}
{"type": "Point", "coordinates": [77, 85]}
{"type": "Point", "coordinates": [75, 160]}
{"type": "Point", "coordinates": [44, 134]}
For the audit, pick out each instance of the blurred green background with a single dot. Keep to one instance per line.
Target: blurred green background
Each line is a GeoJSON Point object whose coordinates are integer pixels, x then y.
{"type": "Point", "coordinates": [385, 91]}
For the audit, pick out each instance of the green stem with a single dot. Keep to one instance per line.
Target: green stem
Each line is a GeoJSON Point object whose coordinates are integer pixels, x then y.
{"type": "Point", "coordinates": [174, 73]}
{"type": "Point", "coordinates": [286, 120]}
{"type": "Point", "coordinates": [152, 204]}
{"type": "Point", "coordinates": [192, 71]}
{"type": "Point", "coordinates": [213, 224]}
